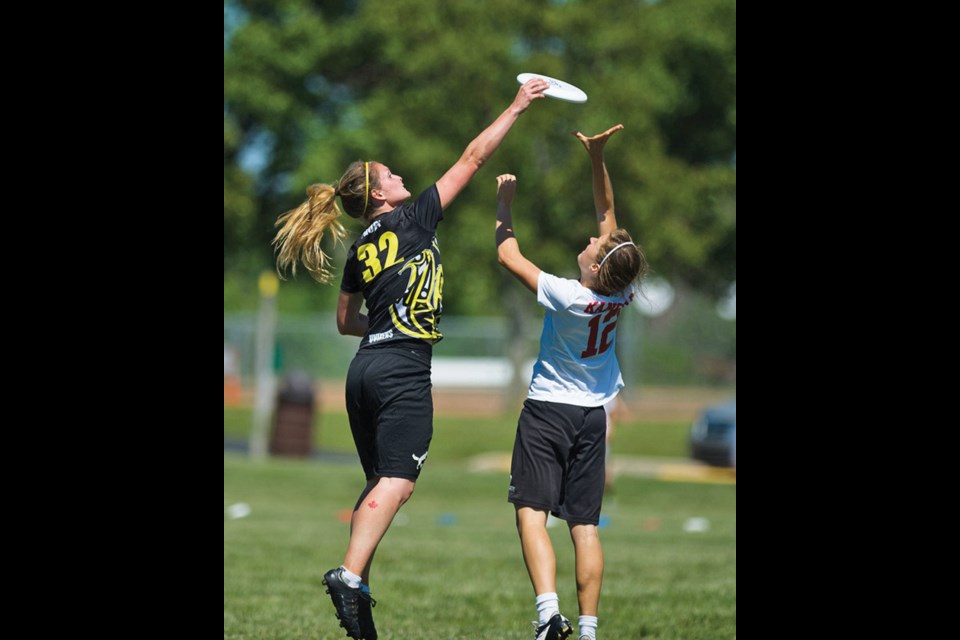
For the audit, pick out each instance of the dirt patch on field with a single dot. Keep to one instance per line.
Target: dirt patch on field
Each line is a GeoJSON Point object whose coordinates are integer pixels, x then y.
{"type": "Point", "coordinates": [639, 403]}
{"type": "Point", "coordinates": [643, 403]}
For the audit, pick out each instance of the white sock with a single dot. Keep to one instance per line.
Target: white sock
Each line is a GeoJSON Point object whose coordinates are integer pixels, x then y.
{"type": "Point", "coordinates": [353, 580]}
{"type": "Point", "coordinates": [548, 604]}
{"type": "Point", "coordinates": [588, 626]}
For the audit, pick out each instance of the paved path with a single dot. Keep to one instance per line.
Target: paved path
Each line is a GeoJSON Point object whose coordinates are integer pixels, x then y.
{"type": "Point", "coordinates": [666, 469]}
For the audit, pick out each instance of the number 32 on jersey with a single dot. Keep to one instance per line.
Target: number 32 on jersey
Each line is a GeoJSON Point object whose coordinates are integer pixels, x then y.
{"type": "Point", "coordinates": [369, 254]}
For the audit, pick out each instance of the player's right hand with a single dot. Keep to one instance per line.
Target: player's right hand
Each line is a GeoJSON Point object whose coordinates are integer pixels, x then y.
{"type": "Point", "coordinates": [506, 186]}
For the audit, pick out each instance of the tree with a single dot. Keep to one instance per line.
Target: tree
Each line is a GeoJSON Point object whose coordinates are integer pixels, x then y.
{"type": "Point", "coordinates": [311, 86]}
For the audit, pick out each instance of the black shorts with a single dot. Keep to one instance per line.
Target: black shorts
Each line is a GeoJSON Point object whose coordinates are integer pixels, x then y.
{"type": "Point", "coordinates": [390, 406]}
{"type": "Point", "coordinates": [558, 460]}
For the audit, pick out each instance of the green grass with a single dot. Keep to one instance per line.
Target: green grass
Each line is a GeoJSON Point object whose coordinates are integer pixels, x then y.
{"type": "Point", "coordinates": [451, 567]}
{"type": "Point", "coordinates": [460, 438]}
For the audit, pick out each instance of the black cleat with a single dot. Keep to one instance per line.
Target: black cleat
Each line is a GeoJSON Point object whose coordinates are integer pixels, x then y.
{"type": "Point", "coordinates": [556, 628]}
{"type": "Point", "coordinates": [346, 601]}
{"type": "Point", "coordinates": [367, 629]}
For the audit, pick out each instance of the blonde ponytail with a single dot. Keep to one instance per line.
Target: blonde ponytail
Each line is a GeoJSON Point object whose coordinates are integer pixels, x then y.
{"type": "Point", "coordinates": [302, 229]}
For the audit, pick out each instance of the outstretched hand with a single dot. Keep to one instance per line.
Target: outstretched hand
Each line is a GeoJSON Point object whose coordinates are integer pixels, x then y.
{"type": "Point", "coordinates": [595, 143]}
{"type": "Point", "coordinates": [529, 91]}
{"type": "Point", "coordinates": [506, 186]}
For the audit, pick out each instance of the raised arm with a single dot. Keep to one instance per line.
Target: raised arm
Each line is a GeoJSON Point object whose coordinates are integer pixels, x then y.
{"type": "Point", "coordinates": [483, 146]}
{"type": "Point", "coordinates": [602, 189]}
{"type": "Point", "coordinates": [508, 249]}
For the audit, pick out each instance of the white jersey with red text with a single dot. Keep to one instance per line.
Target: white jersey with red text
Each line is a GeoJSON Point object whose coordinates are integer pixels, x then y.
{"type": "Point", "coordinates": [577, 363]}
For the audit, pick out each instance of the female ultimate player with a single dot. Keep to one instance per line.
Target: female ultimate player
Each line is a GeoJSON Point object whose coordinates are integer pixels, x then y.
{"type": "Point", "coordinates": [558, 453]}
{"type": "Point", "coordinates": [394, 267]}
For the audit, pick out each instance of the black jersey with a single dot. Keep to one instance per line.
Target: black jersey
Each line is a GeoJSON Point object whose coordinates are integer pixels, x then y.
{"type": "Point", "coordinates": [396, 264]}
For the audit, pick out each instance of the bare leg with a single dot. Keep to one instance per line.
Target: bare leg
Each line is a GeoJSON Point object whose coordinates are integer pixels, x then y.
{"type": "Point", "coordinates": [371, 483]}
{"type": "Point", "coordinates": [537, 549]}
{"type": "Point", "coordinates": [589, 555]}
{"type": "Point", "coordinates": [378, 504]}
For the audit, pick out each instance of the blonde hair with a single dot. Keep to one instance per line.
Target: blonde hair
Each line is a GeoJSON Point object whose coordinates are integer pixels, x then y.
{"type": "Point", "coordinates": [302, 228]}
{"type": "Point", "coordinates": [623, 267]}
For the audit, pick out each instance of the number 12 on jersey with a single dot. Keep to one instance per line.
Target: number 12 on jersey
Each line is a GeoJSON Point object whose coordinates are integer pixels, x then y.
{"type": "Point", "coordinates": [597, 340]}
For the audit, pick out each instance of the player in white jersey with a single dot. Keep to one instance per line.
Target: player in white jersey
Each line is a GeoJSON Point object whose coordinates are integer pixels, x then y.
{"type": "Point", "coordinates": [558, 456]}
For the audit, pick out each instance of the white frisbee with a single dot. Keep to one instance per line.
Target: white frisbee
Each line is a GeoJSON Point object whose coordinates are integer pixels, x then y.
{"type": "Point", "coordinates": [558, 88]}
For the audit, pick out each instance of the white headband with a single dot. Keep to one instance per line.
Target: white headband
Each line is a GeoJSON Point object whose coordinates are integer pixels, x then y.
{"type": "Point", "coordinates": [609, 253]}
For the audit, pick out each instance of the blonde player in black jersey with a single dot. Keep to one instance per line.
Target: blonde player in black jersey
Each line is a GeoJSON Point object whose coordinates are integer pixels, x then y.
{"type": "Point", "coordinates": [558, 454]}
{"type": "Point", "coordinates": [394, 266]}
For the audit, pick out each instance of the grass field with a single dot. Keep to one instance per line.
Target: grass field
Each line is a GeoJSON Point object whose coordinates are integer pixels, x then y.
{"type": "Point", "coordinates": [451, 567]}
{"type": "Point", "coordinates": [458, 438]}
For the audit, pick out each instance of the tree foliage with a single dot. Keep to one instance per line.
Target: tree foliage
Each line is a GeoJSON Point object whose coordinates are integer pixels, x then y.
{"type": "Point", "coordinates": [311, 86]}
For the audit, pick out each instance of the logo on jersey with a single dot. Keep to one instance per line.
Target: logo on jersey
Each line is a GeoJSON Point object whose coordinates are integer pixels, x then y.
{"type": "Point", "coordinates": [373, 227]}
{"type": "Point", "coordinates": [377, 337]}
{"type": "Point", "coordinates": [418, 311]}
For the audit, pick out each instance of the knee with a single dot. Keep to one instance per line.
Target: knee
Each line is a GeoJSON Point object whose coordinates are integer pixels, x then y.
{"type": "Point", "coordinates": [400, 488]}
{"type": "Point", "coordinates": [529, 519]}
{"type": "Point", "coordinates": [584, 534]}
{"type": "Point", "coordinates": [406, 490]}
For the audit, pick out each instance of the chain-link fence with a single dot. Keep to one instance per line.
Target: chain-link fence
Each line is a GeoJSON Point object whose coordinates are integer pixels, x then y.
{"type": "Point", "coordinates": [689, 344]}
